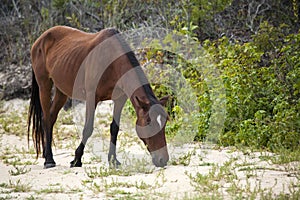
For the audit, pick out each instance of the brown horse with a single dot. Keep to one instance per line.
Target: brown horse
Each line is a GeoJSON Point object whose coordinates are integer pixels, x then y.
{"type": "Point", "coordinates": [93, 67]}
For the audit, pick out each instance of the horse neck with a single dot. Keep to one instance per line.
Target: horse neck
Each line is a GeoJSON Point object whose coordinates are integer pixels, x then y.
{"type": "Point", "coordinates": [136, 86]}
{"type": "Point", "coordinates": [135, 83]}
{"type": "Point", "coordinates": [145, 94]}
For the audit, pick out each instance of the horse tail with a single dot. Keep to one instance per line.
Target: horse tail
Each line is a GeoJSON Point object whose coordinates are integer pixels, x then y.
{"type": "Point", "coordinates": [35, 117]}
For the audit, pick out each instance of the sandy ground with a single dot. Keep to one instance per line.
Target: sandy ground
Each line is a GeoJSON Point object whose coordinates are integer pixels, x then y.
{"type": "Point", "coordinates": [231, 172]}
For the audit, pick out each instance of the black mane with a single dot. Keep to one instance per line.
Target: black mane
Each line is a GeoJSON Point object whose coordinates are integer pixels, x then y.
{"type": "Point", "coordinates": [135, 63]}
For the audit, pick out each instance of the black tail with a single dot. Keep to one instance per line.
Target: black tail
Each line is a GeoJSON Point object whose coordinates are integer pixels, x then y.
{"type": "Point", "coordinates": [35, 116]}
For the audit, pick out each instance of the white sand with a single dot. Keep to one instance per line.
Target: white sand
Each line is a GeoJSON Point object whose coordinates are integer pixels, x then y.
{"type": "Point", "coordinates": [144, 180]}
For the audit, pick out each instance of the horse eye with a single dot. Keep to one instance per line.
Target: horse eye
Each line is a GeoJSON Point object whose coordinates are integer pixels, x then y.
{"type": "Point", "coordinates": [148, 121]}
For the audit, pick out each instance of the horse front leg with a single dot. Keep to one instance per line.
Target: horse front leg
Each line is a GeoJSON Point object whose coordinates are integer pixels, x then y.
{"type": "Point", "coordinates": [87, 130]}
{"type": "Point", "coordinates": [114, 130]}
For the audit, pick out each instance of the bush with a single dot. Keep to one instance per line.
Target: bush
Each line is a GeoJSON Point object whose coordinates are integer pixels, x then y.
{"type": "Point", "coordinates": [261, 83]}
{"type": "Point", "coordinates": [262, 96]}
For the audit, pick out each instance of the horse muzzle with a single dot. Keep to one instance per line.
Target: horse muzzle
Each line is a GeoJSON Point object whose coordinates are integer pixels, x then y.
{"type": "Point", "coordinates": [160, 157]}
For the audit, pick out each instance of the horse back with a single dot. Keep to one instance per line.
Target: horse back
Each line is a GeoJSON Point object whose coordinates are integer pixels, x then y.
{"type": "Point", "coordinates": [59, 52]}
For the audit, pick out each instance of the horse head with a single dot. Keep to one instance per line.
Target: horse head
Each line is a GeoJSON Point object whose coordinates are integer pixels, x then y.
{"type": "Point", "coordinates": [150, 127]}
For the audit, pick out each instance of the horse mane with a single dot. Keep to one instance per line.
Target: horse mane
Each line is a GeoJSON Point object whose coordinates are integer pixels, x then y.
{"type": "Point", "coordinates": [135, 63]}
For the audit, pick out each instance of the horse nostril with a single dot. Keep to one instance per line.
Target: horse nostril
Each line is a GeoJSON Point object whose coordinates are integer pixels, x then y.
{"type": "Point", "coordinates": [162, 162]}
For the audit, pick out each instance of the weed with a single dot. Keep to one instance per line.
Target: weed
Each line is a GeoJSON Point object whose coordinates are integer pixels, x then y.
{"type": "Point", "coordinates": [222, 181]}
{"type": "Point", "coordinates": [205, 183]}
{"type": "Point", "coordinates": [136, 166]}
{"type": "Point", "coordinates": [286, 156]}
{"type": "Point", "coordinates": [116, 184]}
{"type": "Point", "coordinates": [86, 182]}
{"type": "Point", "coordinates": [51, 190]}
{"type": "Point", "coordinates": [265, 157]}
{"type": "Point", "coordinates": [6, 154]}
{"type": "Point", "coordinates": [117, 192]}
{"type": "Point", "coordinates": [66, 118]}
{"type": "Point", "coordinates": [31, 197]}
{"type": "Point", "coordinates": [94, 172]}
{"type": "Point", "coordinates": [15, 160]}
{"type": "Point", "coordinates": [96, 159]}
{"type": "Point", "coordinates": [142, 185]}
{"type": "Point", "coordinates": [18, 170]}
{"type": "Point", "coordinates": [67, 172]}
{"type": "Point", "coordinates": [184, 159]}
{"type": "Point", "coordinates": [7, 197]}
{"type": "Point", "coordinates": [206, 164]}
{"type": "Point", "coordinates": [18, 186]}
{"type": "Point", "coordinates": [96, 188]}
{"type": "Point", "coordinates": [160, 179]}
{"type": "Point", "coordinates": [75, 190]}
{"type": "Point", "coordinates": [25, 151]}
{"type": "Point", "coordinates": [13, 122]}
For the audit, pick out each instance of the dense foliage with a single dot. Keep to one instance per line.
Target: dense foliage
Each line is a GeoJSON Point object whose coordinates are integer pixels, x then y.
{"type": "Point", "coordinates": [254, 45]}
{"type": "Point", "coordinates": [262, 81]}
{"type": "Point", "coordinates": [22, 21]}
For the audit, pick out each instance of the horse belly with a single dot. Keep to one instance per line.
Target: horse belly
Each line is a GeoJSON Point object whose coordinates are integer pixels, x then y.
{"type": "Point", "coordinates": [64, 79]}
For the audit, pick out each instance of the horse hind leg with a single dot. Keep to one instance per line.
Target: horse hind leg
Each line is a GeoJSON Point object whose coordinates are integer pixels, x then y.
{"type": "Point", "coordinates": [45, 99]}
{"type": "Point", "coordinates": [58, 102]}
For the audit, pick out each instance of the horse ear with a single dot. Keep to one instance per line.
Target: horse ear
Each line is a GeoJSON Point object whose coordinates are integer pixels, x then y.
{"type": "Point", "coordinates": [144, 103]}
{"type": "Point", "coordinates": [163, 101]}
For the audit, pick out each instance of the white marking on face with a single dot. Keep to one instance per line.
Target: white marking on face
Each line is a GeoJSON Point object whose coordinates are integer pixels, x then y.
{"type": "Point", "coordinates": [159, 121]}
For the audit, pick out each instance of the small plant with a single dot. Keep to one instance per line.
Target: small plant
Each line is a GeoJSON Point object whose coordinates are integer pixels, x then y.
{"type": "Point", "coordinates": [25, 151]}
{"type": "Point", "coordinates": [12, 123]}
{"type": "Point", "coordinates": [18, 186]}
{"type": "Point", "coordinates": [136, 166]}
{"type": "Point", "coordinates": [94, 172]}
{"type": "Point", "coordinates": [52, 190]}
{"type": "Point", "coordinates": [19, 170]}
{"type": "Point", "coordinates": [142, 185]}
{"type": "Point", "coordinates": [205, 183]}
{"type": "Point", "coordinates": [66, 118]}
{"type": "Point", "coordinates": [284, 156]}
{"type": "Point", "coordinates": [184, 159]}
{"type": "Point", "coordinates": [95, 187]}
{"type": "Point", "coordinates": [117, 184]}
{"type": "Point", "coordinates": [31, 197]}
{"type": "Point", "coordinates": [13, 159]}
{"type": "Point", "coordinates": [96, 159]}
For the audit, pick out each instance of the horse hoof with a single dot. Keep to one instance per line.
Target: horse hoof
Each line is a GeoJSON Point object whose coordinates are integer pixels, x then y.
{"type": "Point", "coordinates": [75, 163]}
{"type": "Point", "coordinates": [49, 165]}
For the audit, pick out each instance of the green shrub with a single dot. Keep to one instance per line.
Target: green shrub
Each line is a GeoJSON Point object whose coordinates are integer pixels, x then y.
{"type": "Point", "coordinates": [262, 96]}
{"type": "Point", "coordinates": [261, 79]}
